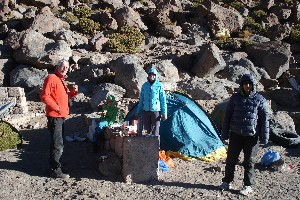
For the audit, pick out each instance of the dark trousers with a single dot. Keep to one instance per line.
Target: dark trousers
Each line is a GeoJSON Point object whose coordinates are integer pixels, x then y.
{"type": "Point", "coordinates": [151, 121]}
{"type": "Point", "coordinates": [249, 145]}
{"type": "Point", "coordinates": [56, 129]}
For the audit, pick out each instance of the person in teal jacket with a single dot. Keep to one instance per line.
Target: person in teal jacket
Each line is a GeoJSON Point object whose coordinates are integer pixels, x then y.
{"type": "Point", "coordinates": [152, 104]}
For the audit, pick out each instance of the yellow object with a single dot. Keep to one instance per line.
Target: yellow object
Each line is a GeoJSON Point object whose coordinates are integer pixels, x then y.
{"type": "Point", "coordinates": [214, 156]}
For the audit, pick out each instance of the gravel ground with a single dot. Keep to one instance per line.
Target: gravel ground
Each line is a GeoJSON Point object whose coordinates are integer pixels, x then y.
{"type": "Point", "coordinates": [23, 174]}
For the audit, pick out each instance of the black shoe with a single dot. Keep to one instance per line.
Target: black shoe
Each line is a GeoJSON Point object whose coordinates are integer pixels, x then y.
{"type": "Point", "coordinates": [59, 175]}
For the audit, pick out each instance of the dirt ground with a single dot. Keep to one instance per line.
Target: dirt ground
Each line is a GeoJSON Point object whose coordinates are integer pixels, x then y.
{"type": "Point", "coordinates": [23, 173]}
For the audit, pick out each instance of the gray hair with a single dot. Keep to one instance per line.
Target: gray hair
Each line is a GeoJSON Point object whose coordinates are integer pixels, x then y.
{"type": "Point", "coordinates": [61, 62]}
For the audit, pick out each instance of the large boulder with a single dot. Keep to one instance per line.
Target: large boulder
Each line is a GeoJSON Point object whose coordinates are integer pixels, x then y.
{"type": "Point", "coordinates": [73, 39]}
{"type": "Point", "coordinates": [126, 16]}
{"type": "Point", "coordinates": [103, 90]}
{"type": "Point", "coordinates": [208, 88]}
{"type": "Point", "coordinates": [210, 61]}
{"type": "Point", "coordinates": [41, 52]}
{"type": "Point", "coordinates": [106, 20]}
{"type": "Point", "coordinates": [6, 66]}
{"type": "Point", "coordinates": [286, 97]}
{"type": "Point", "coordinates": [295, 15]}
{"type": "Point", "coordinates": [279, 32]}
{"type": "Point", "coordinates": [13, 39]}
{"type": "Point", "coordinates": [219, 17]}
{"type": "Point", "coordinates": [281, 120]}
{"type": "Point", "coordinates": [167, 71]}
{"type": "Point", "coordinates": [273, 56]}
{"type": "Point", "coordinates": [27, 77]}
{"type": "Point", "coordinates": [46, 22]}
{"type": "Point", "coordinates": [169, 31]}
{"type": "Point", "coordinates": [40, 3]}
{"type": "Point", "coordinates": [129, 74]}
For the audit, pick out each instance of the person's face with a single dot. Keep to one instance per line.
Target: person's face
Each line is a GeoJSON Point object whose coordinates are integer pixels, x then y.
{"type": "Point", "coordinates": [247, 86]}
{"type": "Point", "coordinates": [151, 76]}
{"type": "Point", "coordinates": [63, 69]}
{"type": "Point", "coordinates": [109, 102]}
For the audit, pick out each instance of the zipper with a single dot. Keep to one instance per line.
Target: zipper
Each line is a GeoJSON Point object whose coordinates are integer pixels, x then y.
{"type": "Point", "coordinates": [150, 97]}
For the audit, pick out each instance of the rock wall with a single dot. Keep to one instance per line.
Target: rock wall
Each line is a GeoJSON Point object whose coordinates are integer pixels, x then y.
{"type": "Point", "coordinates": [17, 94]}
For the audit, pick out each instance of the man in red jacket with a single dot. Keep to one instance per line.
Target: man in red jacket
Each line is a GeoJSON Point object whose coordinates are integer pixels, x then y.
{"type": "Point", "coordinates": [55, 95]}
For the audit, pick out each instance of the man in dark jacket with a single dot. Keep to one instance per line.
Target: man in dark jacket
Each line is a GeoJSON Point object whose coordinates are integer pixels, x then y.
{"type": "Point", "coordinates": [245, 123]}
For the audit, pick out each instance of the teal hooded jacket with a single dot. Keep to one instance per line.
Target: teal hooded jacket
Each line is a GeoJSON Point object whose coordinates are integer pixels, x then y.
{"type": "Point", "coordinates": [152, 96]}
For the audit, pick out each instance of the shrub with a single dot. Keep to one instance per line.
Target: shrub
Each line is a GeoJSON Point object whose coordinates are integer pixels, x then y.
{"type": "Point", "coordinates": [295, 34]}
{"type": "Point", "coordinates": [245, 34]}
{"type": "Point", "coordinates": [257, 14]}
{"type": "Point", "coordinates": [237, 5]}
{"type": "Point", "coordinates": [88, 26]}
{"type": "Point", "coordinates": [253, 25]}
{"type": "Point", "coordinates": [223, 34]}
{"type": "Point", "coordinates": [70, 17]}
{"type": "Point", "coordinates": [289, 2]}
{"type": "Point", "coordinates": [9, 139]}
{"type": "Point", "coordinates": [197, 3]}
{"type": "Point", "coordinates": [126, 40]}
{"type": "Point", "coordinates": [83, 12]}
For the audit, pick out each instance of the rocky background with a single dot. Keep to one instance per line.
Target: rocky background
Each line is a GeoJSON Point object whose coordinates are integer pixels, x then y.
{"type": "Point", "coordinates": [199, 47]}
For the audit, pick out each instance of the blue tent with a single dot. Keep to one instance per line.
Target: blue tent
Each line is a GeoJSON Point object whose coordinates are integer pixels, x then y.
{"type": "Point", "coordinates": [188, 129]}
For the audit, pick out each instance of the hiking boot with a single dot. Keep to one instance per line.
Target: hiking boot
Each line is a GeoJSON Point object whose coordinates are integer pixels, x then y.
{"type": "Point", "coordinates": [59, 175]}
{"type": "Point", "coordinates": [225, 186]}
{"type": "Point", "coordinates": [247, 190]}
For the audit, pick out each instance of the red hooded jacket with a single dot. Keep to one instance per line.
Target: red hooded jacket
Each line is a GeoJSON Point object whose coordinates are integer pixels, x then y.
{"type": "Point", "coordinates": [55, 95]}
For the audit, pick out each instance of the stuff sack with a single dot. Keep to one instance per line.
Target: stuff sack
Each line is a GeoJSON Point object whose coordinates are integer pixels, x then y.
{"type": "Point", "coordinates": [269, 157]}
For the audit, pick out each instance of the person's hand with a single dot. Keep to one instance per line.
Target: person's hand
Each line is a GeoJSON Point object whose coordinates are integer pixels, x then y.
{"type": "Point", "coordinates": [164, 117]}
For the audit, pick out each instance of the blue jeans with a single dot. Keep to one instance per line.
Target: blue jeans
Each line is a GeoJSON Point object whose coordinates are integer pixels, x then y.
{"type": "Point", "coordinates": [56, 129]}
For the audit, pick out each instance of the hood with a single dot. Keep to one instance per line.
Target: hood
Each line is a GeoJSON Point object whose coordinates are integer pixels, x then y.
{"type": "Point", "coordinates": [153, 71]}
{"type": "Point", "coordinates": [248, 77]}
{"type": "Point", "coordinates": [111, 97]}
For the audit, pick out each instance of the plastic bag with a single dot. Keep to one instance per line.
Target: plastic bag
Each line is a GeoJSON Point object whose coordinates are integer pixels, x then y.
{"type": "Point", "coordinates": [162, 156]}
{"type": "Point", "coordinates": [162, 166]}
{"type": "Point", "coordinates": [269, 157]}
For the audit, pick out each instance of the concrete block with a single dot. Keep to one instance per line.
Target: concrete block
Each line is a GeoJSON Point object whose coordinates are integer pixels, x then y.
{"type": "Point", "coordinates": [112, 132]}
{"type": "Point", "coordinates": [3, 92]}
{"type": "Point", "coordinates": [140, 159]}
{"type": "Point", "coordinates": [119, 146]}
{"type": "Point", "coordinates": [112, 143]}
{"type": "Point", "coordinates": [16, 92]}
{"type": "Point", "coordinates": [110, 166]}
{"type": "Point", "coordinates": [20, 110]}
{"type": "Point", "coordinates": [21, 101]}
